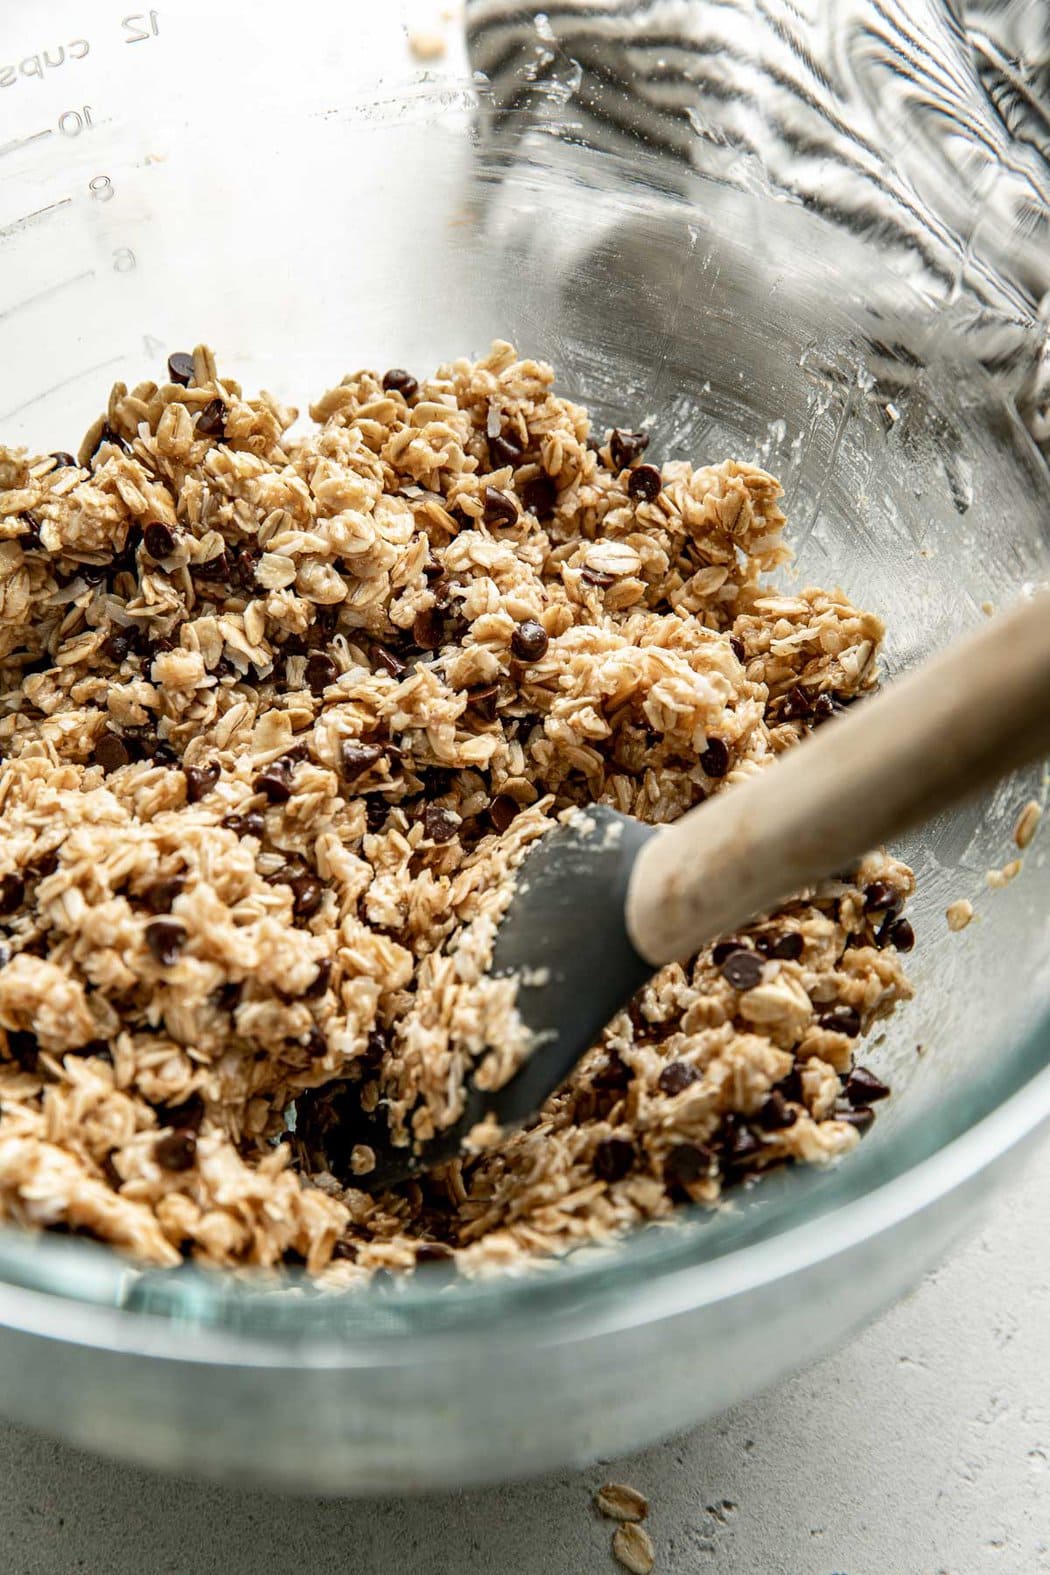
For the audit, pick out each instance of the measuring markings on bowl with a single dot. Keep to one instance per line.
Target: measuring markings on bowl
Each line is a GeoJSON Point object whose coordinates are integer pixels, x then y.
{"type": "Point", "coordinates": [136, 28]}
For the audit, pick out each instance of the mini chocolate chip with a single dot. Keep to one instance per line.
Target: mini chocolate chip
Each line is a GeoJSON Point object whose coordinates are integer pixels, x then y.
{"type": "Point", "coordinates": [864, 1088]}
{"type": "Point", "coordinates": [506, 449]}
{"type": "Point", "coordinates": [879, 895]}
{"type": "Point", "coordinates": [46, 864]}
{"type": "Point", "coordinates": [502, 811]}
{"type": "Point", "coordinates": [275, 781]}
{"type": "Point", "coordinates": [398, 381]}
{"type": "Point", "coordinates": [625, 447]}
{"type": "Point", "coordinates": [388, 661]}
{"type": "Point", "coordinates": [188, 1116]}
{"type": "Point", "coordinates": [320, 672]}
{"type": "Point", "coordinates": [344, 1250]}
{"type": "Point", "coordinates": [307, 896]}
{"type": "Point", "coordinates": [176, 1150]}
{"type": "Point", "coordinates": [117, 645]}
{"type": "Point", "coordinates": [253, 824]}
{"type": "Point", "coordinates": [355, 759]}
{"type": "Point", "coordinates": [794, 705]}
{"type": "Point", "coordinates": [159, 539]}
{"type": "Point", "coordinates": [212, 420]}
{"type": "Point", "coordinates": [714, 762]}
{"type": "Point", "coordinates": [841, 1019]}
{"type": "Point", "coordinates": [376, 812]}
{"type": "Point", "coordinates": [107, 435]}
{"type": "Point", "coordinates": [439, 824]}
{"type": "Point", "coordinates": [675, 1076]}
{"type": "Point", "coordinates": [723, 949]}
{"type": "Point", "coordinates": [63, 461]}
{"type": "Point", "coordinates": [111, 752]}
{"type": "Point", "coordinates": [165, 939]}
{"type": "Point", "coordinates": [742, 969]}
{"type": "Point", "coordinates": [613, 1158]}
{"type": "Point", "coordinates": [861, 1118]}
{"type": "Point", "coordinates": [776, 1113]}
{"type": "Point", "coordinates": [736, 1140]}
{"type": "Point", "coordinates": [539, 495]}
{"type": "Point", "coordinates": [483, 700]}
{"type": "Point", "coordinates": [737, 648]}
{"type": "Point", "coordinates": [613, 1074]}
{"type": "Point", "coordinates": [180, 368]}
{"type": "Point", "coordinates": [159, 897]}
{"type": "Point", "coordinates": [433, 1252]}
{"type": "Point", "coordinates": [227, 996]}
{"type": "Point", "coordinates": [23, 1048]}
{"type": "Point", "coordinates": [217, 568]}
{"type": "Point", "coordinates": [499, 509]}
{"type": "Point", "coordinates": [426, 629]}
{"type": "Point", "coordinates": [320, 981]}
{"type": "Point", "coordinates": [315, 1044]}
{"type": "Point", "coordinates": [901, 935]}
{"type": "Point", "coordinates": [12, 893]}
{"type": "Point", "coordinates": [824, 707]}
{"type": "Point", "coordinates": [686, 1163]}
{"type": "Point", "coordinates": [791, 1086]}
{"type": "Point", "coordinates": [787, 947]}
{"type": "Point", "coordinates": [644, 483]}
{"type": "Point", "coordinates": [161, 753]}
{"type": "Point", "coordinates": [200, 780]}
{"type": "Point", "coordinates": [529, 642]}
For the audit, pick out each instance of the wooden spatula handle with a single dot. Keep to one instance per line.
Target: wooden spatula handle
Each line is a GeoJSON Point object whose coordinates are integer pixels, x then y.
{"type": "Point", "coordinates": [944, 731]}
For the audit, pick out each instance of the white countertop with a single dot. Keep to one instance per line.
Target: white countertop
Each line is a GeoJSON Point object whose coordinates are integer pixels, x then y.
{"type": "Point", "coordinates": [923, 1448]}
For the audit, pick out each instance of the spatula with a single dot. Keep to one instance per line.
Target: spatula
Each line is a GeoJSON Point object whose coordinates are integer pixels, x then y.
{"type": "Point", "coordinates": [602, 902]}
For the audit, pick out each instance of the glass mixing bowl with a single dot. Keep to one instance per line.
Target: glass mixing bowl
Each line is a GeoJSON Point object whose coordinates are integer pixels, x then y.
{"type": "Point", "coordinates": [164, 184]}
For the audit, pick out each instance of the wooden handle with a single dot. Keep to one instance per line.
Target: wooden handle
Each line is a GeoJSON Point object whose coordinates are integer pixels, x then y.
{"type": "Point", "coordinates": [970, 716]}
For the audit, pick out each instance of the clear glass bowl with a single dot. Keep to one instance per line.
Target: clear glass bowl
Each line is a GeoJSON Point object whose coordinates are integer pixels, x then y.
{"type": "Point", "coordinates": [171, 201]}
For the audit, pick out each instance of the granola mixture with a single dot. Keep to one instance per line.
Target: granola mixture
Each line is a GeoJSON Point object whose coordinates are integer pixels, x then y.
{"type": "Point", "coordinates": [280, 715]}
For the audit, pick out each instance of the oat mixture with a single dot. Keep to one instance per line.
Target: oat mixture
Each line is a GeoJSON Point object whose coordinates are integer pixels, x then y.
{"type": "Point", "coordinates": [280, 715]}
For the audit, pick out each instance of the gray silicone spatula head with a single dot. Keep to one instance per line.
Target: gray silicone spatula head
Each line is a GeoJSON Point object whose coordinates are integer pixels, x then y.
{"type": "Point", "coordinates": [564, 934]}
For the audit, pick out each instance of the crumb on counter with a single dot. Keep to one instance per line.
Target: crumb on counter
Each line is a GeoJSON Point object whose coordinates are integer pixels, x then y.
{"type": "Point", "coordinates": [618, 1501]}
{"type": "Point", "coordinates": [959, 914]}
{"type": "Point", "coordinates": [1027, 823]}
{"type": "Point", "coordinates": [998, 878]}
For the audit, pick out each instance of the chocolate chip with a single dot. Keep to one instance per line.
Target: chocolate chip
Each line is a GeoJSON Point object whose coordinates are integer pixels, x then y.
{"type": "Point", "coordinates": [356, 758]}
{"type": "Point", "coordinates": [742, 969]}
{"type": "Point", "coordinates": [200, 780]}
{"type": "Point", "coordinates": [320, 672]}
{"type": "Point", "coordinates": [165, 939]}
{"type": "Point", "coordinates": [499, 509]}
{"type": "Point", "coordinates": [12, 893]}
{"type": "Point", "coordinates": [824, 707]}
{"type": "Point", "coordinates": [529, 641]}
{"type": "Point", "coordinates": [159, 897]}
{"type": "Point", "coordinates": [427, 629]}
{"type": "Point", "coordinates": [275, 781]}
{"type": "Point", "coordinates": [316, 1045]}
{"type": "Point", "coordinates": [625, 447]}
{"type": "Point", "coordinates": [162, 754]}
{"type": "Point", "coordinates": [612, 1074]}
{"type": "Point", "coordinates": [901, 935]}
{"type": "Point", "coordinates": [791, 1086]}
{"type": "Point", "coordinates": [686, 1163]}
{"type": "Point", "coordinates": [723, 949]}
{"type": "Point", "coordinates": [63, 461]}
{"type": "Point", "coordinates": [785, 948]}
{"type": "Point", "coordinates": [644, 483]}
{"type": "Point", "coordinates": [736, 1141]}
{"type": "Point", "coordinates": [502, 811]}
{"type": "Point", "coordinates": [376, 812]}
{"type": "Point", "coordinates": [107, 435]}
{"type": "Point", "coordinates": [388, 661]}
{"type": "Point", "coordinates": [776, 1113]}
{"type": "Point", "coordinates": [864, 1088]}
{"type": "Point", "coordinates": [242, 570]}
{"type": "Point", "coordinates": [861, 1118]}
{"type": "Point", "coordinates": [613, 1158]}
{"type": "Point", "coordinates": [794, 705]}
{"type": "Point", "coordinates": [180, 368]}
{"type": "Point", "coordinates": [176, 1150]}
{"type": "Point", "coordinates": [483, 700]}
{"type": "Point", "coordinates": [539, 495]}
{"type": "Point", "coordinates": [714, 762]}
{"type": "Point", "coordinates": [506, 449]}
{"type": "Point", "coordinates": [111, 752]}
{"type": "Point", "coordinates": [23, 1048]}
{"type": "Point", "coordinates": [188, 1116]}
{"type": "Point", "coordinates": [159, 540]}
{"type": "Point", "coordinates": [253, 824]}
{"type": "Point", "coordinates": [117, 645]}
{"type": "Point", "coordinates": [45, 865]}
{"type": "Point", "coordinates": [320, 981]}
{"type": "Point", "coordinates": [737, 648]}
{"type": "Point", "coordinates": [398, 381]}
{"type": "Point", "coordinates": [217, 568]}
{"type": "Point", "coordinates": [841, 1019]}
{"type": "Point", "coordinates": [433, 1252]}
{"type": "Point", "coordinates": [212, 420]}
{"type": "Point", "coordinates": [307, 895]}
{"type": "Point", "coordinates": [879, 895]}
{"type": "Point", "coordinates": [439, 824]}
{"type": "Point", "coordinates": [675, 1076]}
